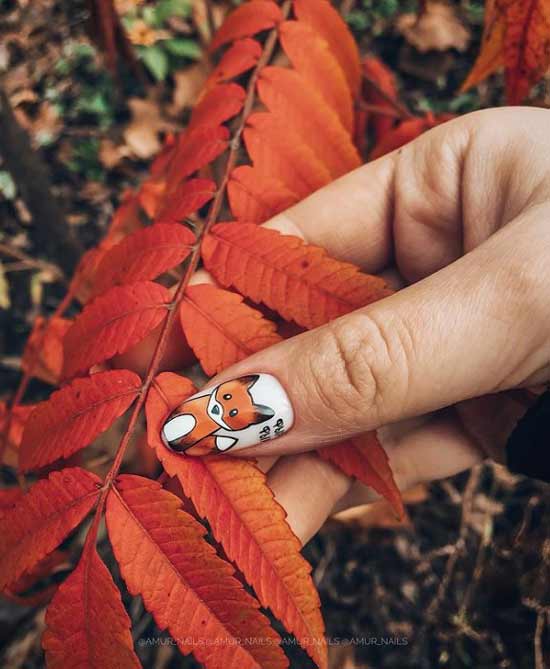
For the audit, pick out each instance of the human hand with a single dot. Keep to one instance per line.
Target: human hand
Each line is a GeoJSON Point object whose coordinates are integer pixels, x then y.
{"type": "Point", "coordinates": [461, 217]}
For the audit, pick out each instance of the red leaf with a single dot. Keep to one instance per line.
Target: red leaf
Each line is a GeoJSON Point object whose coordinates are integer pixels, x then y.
{"type": "Point", "coordinates": [145, 254]}
{"type": "Point", "coordinates": [87, 625]}
{"type": "Point", "coordinates": [75, 415]}
{"type": "Point", "coordinates": [189, 197]}
{"type": "Point", "coordinates": [240, 57]}
{"type": "Point", "coordinates": [366, 460]}
{"type": "Point", "coordinates": [376, 71]}
{"type": "Point", "coordinates": [41, 519]}
{"type": "Point", "coordinates": [43, 355]}
{"type": "Point", "coordinates": [247, 20]}
{"type": "Point", "coordinates": [327, 22]}
{"type": "Point", "coordinates": [232, 493]}
{"type": "Point", "coordinates": [19, 416]}
{"type": "Point", "coordinates": [255, 198]}
{"type": "Point", "coordinates": [277, 152]}
{"type": "Point", "coordinates": [516, 35]}
{"type": "Point", "coordinates": [245, 518]}
{"type": "Point", "coordinates": [8, 499]}
{"type": "Point", "coordinates": [168, 390]}
{"type": "Point", "coordinates": [126, 220]}
{"type": "Point", "coordinates": [164, 558]}
{"type": "Point", "coordinates": [218, 105]}
{"type": "Point", "coordinates": [194, 150]}
{"type": "Point", "coordinates": [298, 281]}
{"type": "Point", "coordinates": [295, 101]}
{"type": "Point", "coordinates": [310, 55]}
{"type": "Point", "coordinates": [221, 329]}
{"type": "Point", "coordinates": [405, 132]}
{"type": "Point", "coordinates": [113, 323]}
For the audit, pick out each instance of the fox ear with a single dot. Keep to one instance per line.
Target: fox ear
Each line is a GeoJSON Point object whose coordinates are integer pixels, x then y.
{"type": "Point", "coordinates": [262, 413]}
{"type": "Point", "coordinates": [249, 380]}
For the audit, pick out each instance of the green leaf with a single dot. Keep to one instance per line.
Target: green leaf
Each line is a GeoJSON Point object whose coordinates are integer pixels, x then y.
{"type": "Point", "coordinates": [7, 185]}
{"type": "Point", "coordinates": [156, 61]}
{"type": "Point", "coordinates": [187, 48]}
{"type": "Point", "coordinates": [168, 8]}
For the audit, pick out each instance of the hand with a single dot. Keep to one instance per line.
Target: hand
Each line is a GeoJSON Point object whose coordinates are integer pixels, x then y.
{"type": "Point", "coordinates": [462, 215]}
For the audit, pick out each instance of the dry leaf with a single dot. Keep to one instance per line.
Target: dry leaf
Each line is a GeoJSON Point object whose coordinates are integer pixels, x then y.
{"type": "Point", "coordinates": [111, 154]}
{"type": "Point", "coordinates": [142, 133]}
{"type": "Point", "coordinates": [188, 84]}
{"type": "Point", "coordinates": [438, 28]}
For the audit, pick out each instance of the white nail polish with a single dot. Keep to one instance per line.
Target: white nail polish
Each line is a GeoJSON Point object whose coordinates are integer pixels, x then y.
{"type": "Point", "coordinates": [234, 415]}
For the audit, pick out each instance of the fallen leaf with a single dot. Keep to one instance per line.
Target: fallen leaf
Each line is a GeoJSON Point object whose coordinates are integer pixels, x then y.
{"type": "Point", "coordinates": [142, 135]}
{"type": "Point", "coordinates": [437, 28]}
{"type": "Point", "coordinates": [188, 84]}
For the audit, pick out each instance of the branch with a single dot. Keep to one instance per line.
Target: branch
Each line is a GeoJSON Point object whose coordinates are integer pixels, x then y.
{"type": "Point", "coordinates": [49, 232]}
{"type": "Point", "coordinates": [191, 266]}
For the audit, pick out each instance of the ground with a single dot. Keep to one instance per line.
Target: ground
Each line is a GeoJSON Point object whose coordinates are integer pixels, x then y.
{"type": "Point", "coordinates": [462, 583]}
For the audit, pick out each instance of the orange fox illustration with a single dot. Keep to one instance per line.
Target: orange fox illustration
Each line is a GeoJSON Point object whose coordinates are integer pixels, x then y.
{"type": "Point", "coordinates": [228, 407]}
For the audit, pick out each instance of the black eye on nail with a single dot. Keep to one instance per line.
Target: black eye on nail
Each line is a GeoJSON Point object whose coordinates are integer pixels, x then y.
{"type": "Point", "coordinates": [227, 396]}
{"type": "Point", "coordinates": [233, 412]}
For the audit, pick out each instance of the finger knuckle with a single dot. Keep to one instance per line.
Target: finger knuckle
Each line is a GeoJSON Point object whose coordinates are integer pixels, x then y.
{"type": "Point", "coordinates": [351, 371]}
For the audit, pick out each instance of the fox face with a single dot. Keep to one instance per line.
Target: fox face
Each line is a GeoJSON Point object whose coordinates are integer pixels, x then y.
{"type": "Point", "coordinates": [207, 421]}
{"type": "Point", "coordinates": [232, 407]}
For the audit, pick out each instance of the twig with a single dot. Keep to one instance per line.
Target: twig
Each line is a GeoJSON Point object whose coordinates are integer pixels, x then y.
{"type": "Point", "coordinates": [33, 263]}
{"type": "Point", "coordinates": [401, 111]}
{"type": "Point", "coordinates": [467, 504]}
{"type": "Point", "coordinates": [537, 641]}
{"type": "Point", "coordinates": [378, 109]}
{"type": "Point", "coordinates": [49, 231]}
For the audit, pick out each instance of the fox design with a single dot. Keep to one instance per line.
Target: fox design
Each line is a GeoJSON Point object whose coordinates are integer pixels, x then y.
{"type": "Point", "coordinates": [225, 416]}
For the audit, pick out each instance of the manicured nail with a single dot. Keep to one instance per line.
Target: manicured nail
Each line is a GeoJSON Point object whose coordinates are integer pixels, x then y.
{"type": "Point", "coordinates": [233, 415]}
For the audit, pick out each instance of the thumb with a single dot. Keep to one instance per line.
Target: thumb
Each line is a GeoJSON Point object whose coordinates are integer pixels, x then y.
{"type": "Point", "coordinates": [465, 331]}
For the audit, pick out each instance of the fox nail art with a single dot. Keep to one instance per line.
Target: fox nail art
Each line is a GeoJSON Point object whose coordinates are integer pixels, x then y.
{"type": "Point", "coordinates": [236, 414]}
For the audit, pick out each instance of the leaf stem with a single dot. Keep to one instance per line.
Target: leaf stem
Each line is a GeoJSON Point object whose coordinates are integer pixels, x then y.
{"type": "Point", "coordinates": [191, 266]}
{"type": "Point", "coordinates": [400, 109]}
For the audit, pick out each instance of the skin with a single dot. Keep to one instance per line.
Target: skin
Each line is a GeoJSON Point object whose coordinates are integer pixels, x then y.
{"type": "Point", "coordinates": [461, 219]}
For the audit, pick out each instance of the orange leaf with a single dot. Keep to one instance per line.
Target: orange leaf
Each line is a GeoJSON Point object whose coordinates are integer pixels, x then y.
{"type": "Point", "coordinates": [42, 518]}
{"type": "Point", "coordinates": [164, 558]}
{"type": "Point", "coordinates": [43, 353]}
{"type": "Point", "coordinates": [221, 329]}
{"type": "Point", "coordinates": [87, 625]}
{"type": "Point", "coordinates": [255, 198]}
{"type": "Point", "coordinates": [297, 280]}
{"type": "Point", "coordinates": [380, 74]}
{"type": "Point", "coordinates": [218, 105]}
{"type": "Point", "coordinates": [366, 460]}
{"type": "Point", "coordinates": [113, 323]}
{"type": "Point", "coordinates": [73, 416]}
{"type": "Point", "coordinates": [143, 255]}
{"type": "Point", "coordinates": [280, 153]}
{"type": "Point", "coordinates": [311, 57]}
{"type": "Point", "coordinates": [240, 57]}
{"type": "Point", "coordinates": [186, 200]}
{"type": "Point", "coordinates": [405, 132]}
{"type": "Point", "coordinates": [327, 22]}
{"type": "Point", "coordinates": [296, 102]}
{"type": "Point", "coordinates": [247, 20]}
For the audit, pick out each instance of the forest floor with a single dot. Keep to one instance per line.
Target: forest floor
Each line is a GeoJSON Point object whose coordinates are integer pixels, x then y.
{"type": "Point", "coordinates": [463, 581]}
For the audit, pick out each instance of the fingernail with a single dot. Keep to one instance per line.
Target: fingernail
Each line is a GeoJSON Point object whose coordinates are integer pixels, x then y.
{"type": "Point", "coordinates": [233, 415]}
